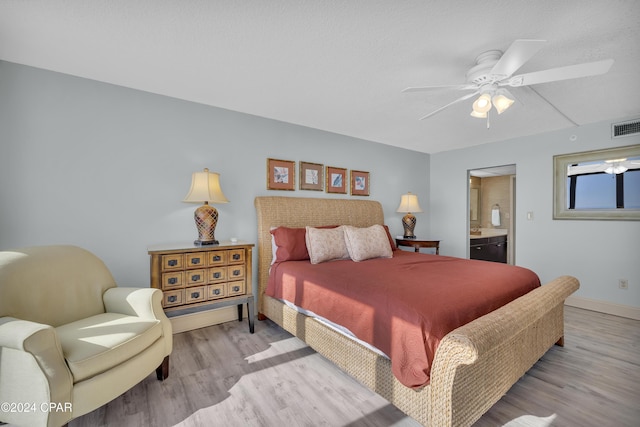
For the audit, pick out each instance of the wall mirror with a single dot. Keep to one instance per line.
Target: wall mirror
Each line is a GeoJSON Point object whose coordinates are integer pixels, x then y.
{"type": "Point", "coordinates": [602, 184]}
{"type": "Point", "coordinates": [473, 204]}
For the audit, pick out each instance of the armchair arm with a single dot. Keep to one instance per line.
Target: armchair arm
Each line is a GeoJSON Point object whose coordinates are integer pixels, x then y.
{"type": "Point", "coordinates": [141, 302]}
{"type": "Point", "coordinates": [137, 302]}
{"type": "Point", "coordinates": [33, 371]}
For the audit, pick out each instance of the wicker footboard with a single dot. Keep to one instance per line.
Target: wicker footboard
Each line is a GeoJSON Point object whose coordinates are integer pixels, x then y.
{"type": "Point", "coordinates": [475, 365]}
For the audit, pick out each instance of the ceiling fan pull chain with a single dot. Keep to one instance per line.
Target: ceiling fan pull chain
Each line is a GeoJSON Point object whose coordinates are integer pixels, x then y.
{"type": "Point", "coordinates": [488, 122]}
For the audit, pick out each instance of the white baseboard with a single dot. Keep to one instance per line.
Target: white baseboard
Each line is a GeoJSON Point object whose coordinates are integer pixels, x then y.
{"type": "Point", "coordinates": [604, 307]}
{"type": "Point", "coordinates": [205, 318]}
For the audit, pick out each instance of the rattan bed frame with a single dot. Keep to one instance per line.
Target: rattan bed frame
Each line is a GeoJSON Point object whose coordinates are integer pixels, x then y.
{"type": "Point", "coordinates": [474, 365]}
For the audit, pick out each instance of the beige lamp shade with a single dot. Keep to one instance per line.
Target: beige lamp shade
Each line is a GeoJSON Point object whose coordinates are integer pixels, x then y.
{"type": "Point", "coordinates": [409, 203]}
{"type": "Point", "coordinates": [205, 188]}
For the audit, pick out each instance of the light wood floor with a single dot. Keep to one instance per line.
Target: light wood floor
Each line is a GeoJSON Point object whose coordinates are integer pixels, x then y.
{"type": "Point", "coordinates": [224, 376]}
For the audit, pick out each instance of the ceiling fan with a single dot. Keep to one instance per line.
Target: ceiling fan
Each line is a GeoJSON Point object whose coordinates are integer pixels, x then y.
{"type": "Point", "coordinates": [494, 70]}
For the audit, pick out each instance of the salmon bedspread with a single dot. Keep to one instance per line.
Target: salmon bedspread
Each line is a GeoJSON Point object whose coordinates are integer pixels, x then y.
{"type": "Point", "coordinates": [402, 305]}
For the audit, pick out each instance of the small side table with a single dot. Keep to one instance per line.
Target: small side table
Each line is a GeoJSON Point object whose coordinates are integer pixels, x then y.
{"type": "Point", "coordinates": [419, 243]}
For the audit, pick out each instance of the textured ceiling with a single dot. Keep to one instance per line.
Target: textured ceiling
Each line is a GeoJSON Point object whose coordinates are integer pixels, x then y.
{"type": "Point", "coordinates": [340, 66]}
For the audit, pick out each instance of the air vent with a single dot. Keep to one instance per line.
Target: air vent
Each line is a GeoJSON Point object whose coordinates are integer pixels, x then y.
{"type": "Point", "coordinates": [619, 130]}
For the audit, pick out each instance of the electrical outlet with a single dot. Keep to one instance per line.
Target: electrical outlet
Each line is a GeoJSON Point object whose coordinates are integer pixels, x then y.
{"type": "Point", "coordinates": [623, 284]}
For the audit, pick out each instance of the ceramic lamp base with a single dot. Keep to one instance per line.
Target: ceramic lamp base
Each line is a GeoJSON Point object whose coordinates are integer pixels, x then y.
{"type": "Point", "coordinates": [409, 223]}
{"type": "Point", "coordinates": [206, 217]}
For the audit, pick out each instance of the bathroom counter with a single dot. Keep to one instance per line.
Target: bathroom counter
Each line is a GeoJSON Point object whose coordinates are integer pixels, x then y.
{"type": "Point", "coordinates": [489, 232]}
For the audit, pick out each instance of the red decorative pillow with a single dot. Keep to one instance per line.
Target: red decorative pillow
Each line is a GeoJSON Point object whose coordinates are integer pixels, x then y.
{"type": "Point", "coordinates": [289, 244]}
{"type": "Point", "coordinates": [392, 242]}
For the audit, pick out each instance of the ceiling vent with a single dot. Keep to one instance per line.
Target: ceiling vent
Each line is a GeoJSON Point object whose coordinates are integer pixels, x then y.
{"type": "Point", "coordinates": [618, 130]}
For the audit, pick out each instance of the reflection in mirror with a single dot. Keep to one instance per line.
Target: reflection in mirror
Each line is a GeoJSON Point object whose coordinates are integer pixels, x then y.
{"type": "Point", "coordinates": [602, 184]}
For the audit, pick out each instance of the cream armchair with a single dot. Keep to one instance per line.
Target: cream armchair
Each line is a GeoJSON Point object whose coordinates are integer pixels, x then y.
{"type": "Point", "coordinates": [70, 339]}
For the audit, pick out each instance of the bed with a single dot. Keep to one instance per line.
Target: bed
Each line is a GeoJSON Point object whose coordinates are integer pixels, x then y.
{"type": "Point", "coordinates": [474, 365]}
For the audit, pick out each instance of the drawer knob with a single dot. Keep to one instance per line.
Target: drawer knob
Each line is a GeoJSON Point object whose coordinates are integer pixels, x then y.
{"type": "Point", "coordinates": [216, 275]}
{"type": "Point", "coordinates": [195, 260]}
{"type": "Point", "coordinates": [236, 272]}
{"type": "Point", "coordinates": [172, 298]}
{"type": "Point", "coordinates": [172, 280]}
{"type": "Point", "coordinates": [195, 277]}
{"type": "Point", "coordinates": [236, 256]}
{"type": "Point", "coordinates": [236, 288]}
{"type": "Point", "coordinates": [216, 258]}
{"type": "Point", "coordinates": [173, 262]}
{"type": "Point", "coordinates": [195, 294]}
{"type": "Point", "coordinates": [216, 291]}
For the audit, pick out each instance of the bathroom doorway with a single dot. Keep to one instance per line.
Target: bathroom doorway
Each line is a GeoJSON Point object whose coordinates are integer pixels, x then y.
{"type": "Point", "coordinates": [491, 213]}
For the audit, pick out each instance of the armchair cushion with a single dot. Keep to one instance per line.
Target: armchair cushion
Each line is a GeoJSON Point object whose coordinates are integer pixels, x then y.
{"type": "Point", "coordinates": [98, 343]}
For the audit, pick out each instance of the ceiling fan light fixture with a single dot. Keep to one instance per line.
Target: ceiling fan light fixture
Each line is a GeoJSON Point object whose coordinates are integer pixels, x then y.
{"type": "Point", "coordinates": [478, 115]}
{"type": "Point", "coordinates": [482, 104]}
{"type": "Point", "coordinates": [501, 101]}
{"type": "Point", "coordinates": [616, 169]}
{"type": "Point", "coordinates": [615, 166]}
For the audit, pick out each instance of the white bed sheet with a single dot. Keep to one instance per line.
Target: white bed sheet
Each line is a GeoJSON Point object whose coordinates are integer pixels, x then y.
{"type": "Point", "coordinates": [338, 328]}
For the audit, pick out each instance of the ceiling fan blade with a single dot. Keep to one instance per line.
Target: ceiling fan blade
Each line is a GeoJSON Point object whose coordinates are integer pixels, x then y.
{"type": "Point", "coordinates": [518, 53]}
{"type": "Point", "coordinates": [424, 88]}
{"type": "Point", "coordinates": [463, 98]}
{"type": "Point", "coordinates": [562, 73]}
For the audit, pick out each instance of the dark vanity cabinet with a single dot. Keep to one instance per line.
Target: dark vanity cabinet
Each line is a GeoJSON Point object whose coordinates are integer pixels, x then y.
{"type": "Point", "coordinates": [489, 249]}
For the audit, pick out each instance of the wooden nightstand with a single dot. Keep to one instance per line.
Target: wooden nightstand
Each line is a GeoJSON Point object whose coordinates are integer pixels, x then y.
{"type": "Point", "coordinates": [194, 279]}
{"type": "Point", "coordinates": [418, 243]}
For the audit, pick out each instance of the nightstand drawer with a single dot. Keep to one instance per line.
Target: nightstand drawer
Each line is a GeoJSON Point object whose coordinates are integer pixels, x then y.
{"type": "Point", "coordinates": [236, 288]}
{"type": "Point", "coordinates": [172, 262]}
{"type": "Point", "coordinates": [236, 256]}
{"type": "Point", "coordinates": [235, 272]}
{"type": "Point", "coordinates": [217, 258]}
{"type": "Point", "coordinates": [196, 260]}
{"type": "Point", "coordinates": [196, 277]}
{"type": "Point", "coordinates": [217, 274]}
{"type": "Point", "coordinates": [172, 280]}
{"type": "Point", "coordinates": [194, 294]}
{"type": "Point", "coordinates": [217, 291]}
{"type": "Point", "coordinates": [171, 298]}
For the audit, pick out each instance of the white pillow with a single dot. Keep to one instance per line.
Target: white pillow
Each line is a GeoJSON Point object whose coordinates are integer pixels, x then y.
{"type": "Point", "coordinates": [326, 244]}
{"type": "Point", "coordinates": [367, 243]}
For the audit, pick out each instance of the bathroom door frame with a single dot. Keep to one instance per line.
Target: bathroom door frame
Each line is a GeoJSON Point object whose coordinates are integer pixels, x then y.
{"type": "Point", "coordinates": [511, 234]}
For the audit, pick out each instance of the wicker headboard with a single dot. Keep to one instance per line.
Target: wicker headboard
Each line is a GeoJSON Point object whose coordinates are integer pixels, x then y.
{"type": "Point", "coordinates": [302, 211]}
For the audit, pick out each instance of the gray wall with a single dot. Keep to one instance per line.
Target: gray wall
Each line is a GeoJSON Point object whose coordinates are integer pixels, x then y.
{"type": "Point", "coordinates": [598, 253]}
{"type": "Point", "coordinates": [106, 167]}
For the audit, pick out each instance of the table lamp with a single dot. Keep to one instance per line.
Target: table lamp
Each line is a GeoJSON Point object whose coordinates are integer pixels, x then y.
{"type": "Point", "coordinates": [205, 188]}
{"type": "Point", "coordinates": [408, 204]}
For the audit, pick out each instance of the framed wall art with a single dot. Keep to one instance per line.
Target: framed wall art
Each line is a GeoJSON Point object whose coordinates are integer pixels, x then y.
{"type": "Point", "coordinates": [336, 180]}
{"type": "Point", "coordinates": [359, 183]}
{"type": "Point", "coordinates": [281, 174]}
{"type": "Point", "coordinates": [311, 176]}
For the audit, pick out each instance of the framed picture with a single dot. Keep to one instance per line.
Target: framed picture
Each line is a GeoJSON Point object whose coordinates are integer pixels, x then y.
{"type": "Point", "coordinates": [359, 183]}
{"type": "Point", "coordinates": [336, 180]}
{"type": "Point", "coordinates": [311, 176]}
{"type": "Point", "coordinates": [281, 174]}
